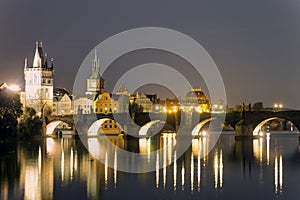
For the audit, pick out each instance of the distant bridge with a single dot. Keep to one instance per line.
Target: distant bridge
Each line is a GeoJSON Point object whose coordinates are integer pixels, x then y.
{"type": "Point", "coordinates": [142, 123]}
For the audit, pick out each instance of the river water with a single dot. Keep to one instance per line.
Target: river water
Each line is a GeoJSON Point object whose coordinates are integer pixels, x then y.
{"type": "Point", "coordinates": [62, 168]}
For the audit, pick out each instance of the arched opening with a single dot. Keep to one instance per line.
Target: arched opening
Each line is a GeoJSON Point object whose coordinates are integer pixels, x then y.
{"type": "Point", "coordinates": [56, 124]}
{"type": "Point", "coordinates": [199, 126]}
{"type": "Point", "coordinates": [144, 129]}
{"type": "Point", "coordinates": [104, 126]}
{"type": "Point", "coordinates": [258, 128]}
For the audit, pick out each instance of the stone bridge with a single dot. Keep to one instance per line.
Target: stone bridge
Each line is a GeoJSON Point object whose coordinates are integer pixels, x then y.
{"type": "Point", "coordinates": [170, 121]}
{"type": "Point", "coordinates": [258, 118]}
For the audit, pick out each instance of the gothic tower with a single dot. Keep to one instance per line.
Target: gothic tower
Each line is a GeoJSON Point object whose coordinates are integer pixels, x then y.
{"type": "Point", "coordinates": [39, 82]}
{"type": "Point", "coordinates": [95, 84]}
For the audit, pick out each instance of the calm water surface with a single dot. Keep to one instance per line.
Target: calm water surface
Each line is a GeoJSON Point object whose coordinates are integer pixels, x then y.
{"type": "Point", "coordinates": [62, 168]}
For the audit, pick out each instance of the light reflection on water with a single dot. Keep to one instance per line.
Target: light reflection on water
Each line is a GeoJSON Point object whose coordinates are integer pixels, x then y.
{"type": "Point", "coordinates": [62, 168]}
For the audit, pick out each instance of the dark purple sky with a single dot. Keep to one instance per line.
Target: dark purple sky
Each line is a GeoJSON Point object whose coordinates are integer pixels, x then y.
{"type": "Point", "coordinates": [254, 43]}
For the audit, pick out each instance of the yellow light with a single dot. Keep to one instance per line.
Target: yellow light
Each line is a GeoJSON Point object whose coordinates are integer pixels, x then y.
{"type": "Point", "coordinates": [280, 105]}
{"type": "Point", "coordinates": [204, 133]}
{"type": "Point", "coordinates": [14, 88]}
{"type": "Point", "coordinates": [276, 105]}
{"type": "Point", "coordinates": [165, 109]}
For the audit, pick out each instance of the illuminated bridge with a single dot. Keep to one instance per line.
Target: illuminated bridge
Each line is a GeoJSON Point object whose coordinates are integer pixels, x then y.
{"type": "Point", "coordinates": [142, 123]}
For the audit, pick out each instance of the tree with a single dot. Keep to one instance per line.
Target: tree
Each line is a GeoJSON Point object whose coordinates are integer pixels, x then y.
{"type": "Point", "coordinates": [30, 124]}
{"type": "Point", "coordinates": [258, 106]}
{"type": "Point", "coordinates": [10, 111]}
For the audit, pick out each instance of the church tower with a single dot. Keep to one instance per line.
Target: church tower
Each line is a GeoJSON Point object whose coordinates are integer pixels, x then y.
{"type": "Point", "coordinates": [39, 82]}
{"type": "Point", "coordinates": [95, 84]}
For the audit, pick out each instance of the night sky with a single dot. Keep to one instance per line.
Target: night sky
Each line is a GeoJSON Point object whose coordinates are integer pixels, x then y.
{"type": "Point", "coordinates": [255, 44]}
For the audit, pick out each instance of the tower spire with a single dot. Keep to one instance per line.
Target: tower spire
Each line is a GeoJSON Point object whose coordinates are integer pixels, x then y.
{"type": "Point", "coordinates": [95, 67]}
{"type": "Point", "coordinates": [37, 59]}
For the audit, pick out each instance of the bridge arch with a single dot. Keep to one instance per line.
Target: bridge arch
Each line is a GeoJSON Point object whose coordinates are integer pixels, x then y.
{"type": "Point", "coordinates": [258, 127]}
{"type": "Point", "coordinates": [93, 129]}
{"type": "Point", "coordinates": [144, 129]}
{"type": "Point", "coordinates": [52, 125]}
{"type": "Point", "coordinates": [199, 126]}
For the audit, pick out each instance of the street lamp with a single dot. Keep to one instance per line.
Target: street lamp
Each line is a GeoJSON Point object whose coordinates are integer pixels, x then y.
{"type": "Point", "coordinates": [278, 106]}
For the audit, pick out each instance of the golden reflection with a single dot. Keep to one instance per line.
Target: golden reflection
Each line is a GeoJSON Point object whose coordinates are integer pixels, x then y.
{"type": "Point", "coordinates": [199, 169]}
{"type": "Point", "coordinates": [145, 146]}
{"type": "Point", "coordinates": [50, 146]}
{"type": "Point", "coordinates": [260, 150]}
{"type": "Point", "coordinates": [256, 148]}
{"type": "Point", "coordinates": [92, 190]}
{"type": "Point", "coordinates": [40, 160]}
{"type": "Point", "coordinates": [106, 170]}
{"type": "Point", "coordinates": [205, 150]}
{"type": "Point", "coordinates": [76, 161]}
{"type": "Point", "coordinates": [71, 163]}
{"type": "Point", "coordinates": [4, 189]}
{"type": "Point", "coordinates": [182, 176]}
{"type": "Point", "coordinates": [278, 174]}
{"type": "Point", "coordinates": [268, 148]}
{"type": "Point", "coordinates": [32, 181]}
{"type": "Point", "coordinates": [175, 171]}
{"type": "Point", "coordinates": [115, 167]}
{"type": "Point", "coordinates": [192, 172]}
{"type": "Point", "coordinates": [157, 169]}
{"type": "Point", "coordinates": [216, 169]}
{"type": "Point", "coordinates": [62, 165]}
{"type": "Point", "coordinates": [221, 168]}
{"type": "Point", "coordinates": [169, 148]}
{"type": "Point", "coordinates": [164, 159]}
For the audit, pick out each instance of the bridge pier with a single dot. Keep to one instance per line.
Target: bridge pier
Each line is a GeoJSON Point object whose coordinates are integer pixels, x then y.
{"type": "Point", "coordinates": [243, 130]}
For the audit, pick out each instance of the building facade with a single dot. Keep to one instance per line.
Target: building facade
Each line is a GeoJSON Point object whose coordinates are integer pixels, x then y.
{"type": "Point", "coordinates": [143, 101]}
{"type": "Point", "coordinates": [62, 102]}
{"type": "Point", "coordinates": [39, 82]}
{"type": "Point", "coordinates": [95, 84]}
{"type": "Point", "coordinates": [195, 100]}
{"type": "Point", "coordinates": [83, 104]}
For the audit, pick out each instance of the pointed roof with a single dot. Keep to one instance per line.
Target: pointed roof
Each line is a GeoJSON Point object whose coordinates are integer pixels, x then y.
{"type": "Point", "coordinates": [95, 67]}
{"type": "Point", "coordinates": [37, 61]}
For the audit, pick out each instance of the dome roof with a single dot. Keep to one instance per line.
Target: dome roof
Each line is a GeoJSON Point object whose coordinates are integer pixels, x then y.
{"type": "Point", "coordinates": [197, 93]}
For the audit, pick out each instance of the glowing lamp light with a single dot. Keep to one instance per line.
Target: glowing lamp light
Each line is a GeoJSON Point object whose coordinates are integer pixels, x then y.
{"type": "Point", "coordinates": [14, 88]}
{"type": "Point", "coordinates": [203, 133]}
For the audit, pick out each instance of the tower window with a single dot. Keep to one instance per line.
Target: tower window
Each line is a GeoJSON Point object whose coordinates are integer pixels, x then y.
{"type": "Point", "coordinates": [49, 81]}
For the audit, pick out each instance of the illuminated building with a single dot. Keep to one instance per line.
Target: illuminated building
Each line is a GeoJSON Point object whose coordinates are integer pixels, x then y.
{"type": "Point", "coordinates": [62, 102]}
{"type": "Point", "coordinates": [105, 104]}
{"type": "Point", "coordinates": [83, 104]}
{"type": "Point", "coordinates": [143, 101]}
{"type": "Point", "coordinates": [169, 105]}
{"type": "Point", "coordinates": [196, 100]}
{"type": "Point", "coordinates": [218, 107]}
{"type": "Point", "coordinates": [95, 84]}
{"type": "Point", "coordinates": [39, 82]}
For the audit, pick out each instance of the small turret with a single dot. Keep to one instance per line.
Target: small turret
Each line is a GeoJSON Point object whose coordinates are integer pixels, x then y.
{"type": "Point", "coordinates": [51, 65]}
{"type": "Point", "coordinates": [45, 62]}
{"type": "Point", "coordinates": [25, 63]}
